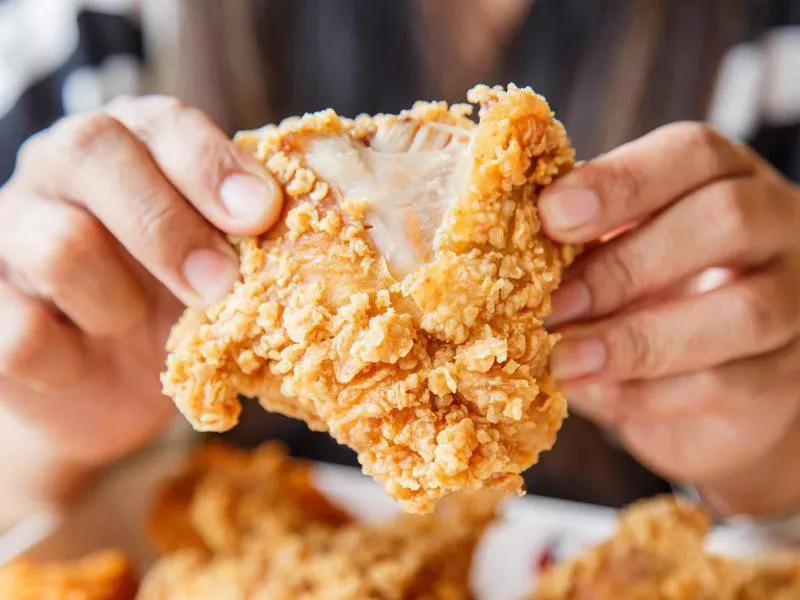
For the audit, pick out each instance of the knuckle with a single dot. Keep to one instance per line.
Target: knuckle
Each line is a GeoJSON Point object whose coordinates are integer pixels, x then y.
{"type": "Point", "coordinates": [86, 134]}
{"type": "Point", "coordinates": [626, 186]}
{"type": "Point", "coordinates": [160, 218]}
{"type": "Point", "coordinates": [698, 133]}
{"type": "Point", "coordinates": [731, 216]}
{"type": "Point", "coordinates": [707, 146]}
{"type": "Point", "coordinates": [633, 349]}
{"type": "Point", "coordinates": [205, 144]}
{"type": "Point", "coordinates": [216, 155]}
{"type": "Point", "coordinates": [765, 313]}
{"type": "Point", "coordinates": [24, 337]}
{"type": "Point", "coordinates": [611, 278]}
{"type": "Point", "coordinates": [68, 247]}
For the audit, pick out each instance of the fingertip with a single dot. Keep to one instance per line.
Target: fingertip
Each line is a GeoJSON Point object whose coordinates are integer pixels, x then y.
{"type": "Point", "coordinates": [577, 357]}
{"type": "Point", "coordinates": [253, 202]}
{"type": "Point", "coordinates": [272, 193]}
{"type": "Point", "coordinates": [210, 274]}
{"type": "Point", "coordinates": [569, 212]}
{"type": "Point", "coordinates": [571, 302]}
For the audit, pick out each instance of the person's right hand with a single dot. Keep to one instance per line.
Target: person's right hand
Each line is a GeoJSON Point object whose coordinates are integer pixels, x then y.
{"type": "Point", "coordinates": [110, 223]}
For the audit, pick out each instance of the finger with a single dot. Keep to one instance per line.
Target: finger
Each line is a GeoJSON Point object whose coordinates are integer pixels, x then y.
{"type": "Point", "coordinates": [70, 259]}
{"type": "Point", "coordinates": [231, 189]}
{"type": "Point", "coordinates": [735, 386]}
{"type": "Point", "coordinates": [738, 223]}
{"type": "Point", "coordinates": [97, 163]}
{"type": "Point", "coordinates": [638, 179]}
{"type": "Point", "coordinates": [758, 393]}
{"type": "Point", "coordinates": [36, 349]}
{"type": "Point", "coordinates": [756, 314]}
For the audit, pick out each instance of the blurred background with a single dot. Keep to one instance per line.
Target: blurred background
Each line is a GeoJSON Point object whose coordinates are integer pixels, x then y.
{"type": "Point", "coordinates": [612, 69]}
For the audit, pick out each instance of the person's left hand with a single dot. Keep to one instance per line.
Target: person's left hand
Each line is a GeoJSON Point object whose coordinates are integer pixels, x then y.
{"type": "Point", "coordinates": [700, 384]}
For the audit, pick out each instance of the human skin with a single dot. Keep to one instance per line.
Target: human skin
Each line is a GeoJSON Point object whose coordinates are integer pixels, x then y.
{"type": "Point", "coordinates": [111, 223]}
{"type": "Point", "coordinates": [114, 219]}
{"type": "Point", "coordinates": [701, 387]}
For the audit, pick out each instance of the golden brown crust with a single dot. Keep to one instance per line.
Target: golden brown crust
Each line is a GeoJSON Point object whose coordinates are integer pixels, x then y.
{"type": "Point", "coordinates": [324, 557]}
{"type": "Point", "coordinates": [420, 557]}
{"type": "Point", "coordinates": [658, 554]}
{"type": "Point", "coordinates": [225, 495]}
{"type": "Point", "coordinates": [437, 377]}
{"type": "Point", "coordinates": [102, 576]}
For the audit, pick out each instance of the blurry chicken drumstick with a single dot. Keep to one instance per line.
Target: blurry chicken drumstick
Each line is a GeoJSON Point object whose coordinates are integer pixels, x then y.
{"type": "Point", "coordinates": [399, 304]}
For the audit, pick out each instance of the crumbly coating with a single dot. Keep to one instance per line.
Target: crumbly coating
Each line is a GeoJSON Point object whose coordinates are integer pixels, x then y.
{"type": "Point", "coordinates": [225, 495]}
{"type": "Point", "coordinates": [436, 375]}
{"type": "Point", "coordinates": [658, 554]}
{"type": "Point", "coordinates": [102, 576]}
{"type": "Point", "coordinates": [420, 557]}
{"type": "Point", "coordinates": [303, 547]}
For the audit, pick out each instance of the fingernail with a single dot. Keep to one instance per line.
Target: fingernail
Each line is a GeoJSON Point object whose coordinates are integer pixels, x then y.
{"type": "Point", "coordinates": [577, 357]}
{"type": "Point", "coordinates": [247, 198]}
{"type": "Point", "coordinates": [570, 208]}
{"type": "Point", "coordinates": [210, 273]}
{"type": "Point", "coordinates": [571, 301]}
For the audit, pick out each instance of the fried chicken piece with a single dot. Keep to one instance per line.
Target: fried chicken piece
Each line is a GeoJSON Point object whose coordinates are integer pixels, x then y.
{"type": "Point", "coordinates": [225, 495]}
{"type": "Point", "coordinates": [414, 557]}
{"type": "Point", "coordinates": [658, 554]}
{"type": "Point", "coordinates": [400, 303]}
{"type": "Point", "coordinates": [102, 576]}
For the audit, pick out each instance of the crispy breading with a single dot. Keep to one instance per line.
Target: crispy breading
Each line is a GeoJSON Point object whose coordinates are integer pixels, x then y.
{"type": "Point", "coordinates": [420, 557]}
{"type": "Point", "coordinates": [102, 576]}
{"type": "Point", "coordinates": [225, 494]}
{"type": "Point", "coordinates": [399, 304]}
{"type": "Point", "coordinates": [658, 554]}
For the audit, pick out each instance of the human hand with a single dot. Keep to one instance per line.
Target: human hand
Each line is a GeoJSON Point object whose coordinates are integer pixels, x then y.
{"type": "Point", "coordinates": [110, 223]}
{"type": "Point", "coordinates": [700, 385]}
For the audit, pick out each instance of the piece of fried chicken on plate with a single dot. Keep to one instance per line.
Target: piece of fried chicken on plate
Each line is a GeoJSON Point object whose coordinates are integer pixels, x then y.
{"type": "Point", "coordinates": [223, 495]}
{"type": "Point", "coordinates": [659, 553]}
{"type": "Point", "coordinates": [421, 557]}
{"type": "Point", "coordinates": [400, 303]}
{"type": "Point", "coordinates": [105, 575]}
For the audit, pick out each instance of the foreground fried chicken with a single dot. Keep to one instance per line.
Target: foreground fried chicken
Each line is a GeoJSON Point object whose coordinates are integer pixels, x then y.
{"type": "Point", "coordinates": [658, 554]}
{"type": "Point", "coordinates": [258, 529]}
{"type": "Point", "coordinates": [399, 304]}
{"type": "Point", "coordinates": [225, 495]}
{"type": "Point", "coordinates": [102, 576]}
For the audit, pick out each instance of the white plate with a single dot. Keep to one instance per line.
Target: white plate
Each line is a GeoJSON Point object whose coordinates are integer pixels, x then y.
{"type": "Point", "coordinates": [114, 514]}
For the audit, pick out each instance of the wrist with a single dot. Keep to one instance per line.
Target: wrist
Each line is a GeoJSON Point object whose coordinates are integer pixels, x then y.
{"type": "Point", "coordinates": [767, 487]}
